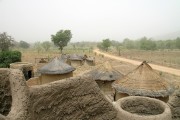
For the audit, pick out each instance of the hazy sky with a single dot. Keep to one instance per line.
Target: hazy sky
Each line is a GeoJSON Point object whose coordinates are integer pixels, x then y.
{"type": "Point", "coordinates": [89, 20]}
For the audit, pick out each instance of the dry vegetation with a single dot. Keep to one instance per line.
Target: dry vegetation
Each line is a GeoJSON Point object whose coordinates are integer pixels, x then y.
{"type": "Point", "coordinates": [29, 56]}
{"type": "Point", "coordinates": [170, 58]}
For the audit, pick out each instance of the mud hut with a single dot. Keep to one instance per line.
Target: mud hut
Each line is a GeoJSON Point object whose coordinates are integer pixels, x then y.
{"type": "Point", "coordinates": [105, 75]}
{"type": "Point", "coordinates": [76, 60]}
{"type": "Point", "coordinates": [90, 61]}
{"type": "Point", "coordinates": [68, 99]}
{"type": "Point", "coordinates": [25, 67]}
{"type": "Point", "coordinates": [55, 70]}
{"type": "Point", "coordinates": [143, 81]}
{"type": "Point", "coordinates": [142, 108]}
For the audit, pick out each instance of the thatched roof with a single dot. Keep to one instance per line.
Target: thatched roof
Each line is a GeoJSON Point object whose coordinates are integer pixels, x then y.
{"type": "Point", "coordinates": [143, 81]}
{"type": "Point", "coordinates": [56, 66]}
{"type": "Point", "coordinates": [105, 72]}
{"type": "Point", "coordinates": [76, 57]}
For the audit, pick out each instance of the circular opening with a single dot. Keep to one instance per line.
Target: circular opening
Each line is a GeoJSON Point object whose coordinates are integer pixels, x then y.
{"type": "Point", "coordinates": [142, 106]}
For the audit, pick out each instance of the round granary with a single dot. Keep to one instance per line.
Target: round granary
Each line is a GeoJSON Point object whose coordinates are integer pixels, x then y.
{"type": "Point", "coordinates": [142, 108]}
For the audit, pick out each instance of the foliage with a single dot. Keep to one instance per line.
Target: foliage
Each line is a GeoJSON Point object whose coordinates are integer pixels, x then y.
{"type": "Point", "coordinates": [106, 43]}
{"type": "Point", "coordinates": [178, 43]}
{"type": "Point", "coordinates": [24, 44]}
{"type": "Point", "coordinates": [8, 57]}
{"type": "Point", "coordinates": [38, 46]}
{"type": "Point", "coordinates": [147, 44]}
{"type": "Point", "coordinates": [127, 43]}
{"type": "Point", "coordinates": [6, 41]}
{"type": "Point", "coordinates": [61, 38]}
{"type": "Point", "coordinates": [46, 45]}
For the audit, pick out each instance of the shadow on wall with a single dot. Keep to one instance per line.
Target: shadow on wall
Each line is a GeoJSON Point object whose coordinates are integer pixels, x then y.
{"type": "Point", "coordinates": [71, 98]}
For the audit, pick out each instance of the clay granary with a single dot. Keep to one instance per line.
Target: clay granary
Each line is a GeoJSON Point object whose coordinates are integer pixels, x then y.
{"type": "Point", "coordinates": [105, 75]}
{"type": "Point", "coordinates": [74, 98]}
{"type": "Point", "coordinates": [143, 81]}
{"type": "Point", "coordinates": [55, 70]}
{"type": "Point", "coordinates": [76, 60]}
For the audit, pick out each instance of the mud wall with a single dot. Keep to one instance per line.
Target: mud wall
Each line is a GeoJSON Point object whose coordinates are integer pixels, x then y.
{"type": "Point", "coordinates": [5, 92]}
{"type": "Point", "coordinates": [174, 103]}
{"type": "Point", "coordinates": [19, 93]}
{"type": "Point", "coordinates": [70, 99]}
{"type": "Point", "coordinates": [120, 95]}
{"type": "Point", "coordinates": [45, 78]}
{"type": "Point", "coordinates": [142, 108]}
{"type": "Point", "coordinates": [106, 88]}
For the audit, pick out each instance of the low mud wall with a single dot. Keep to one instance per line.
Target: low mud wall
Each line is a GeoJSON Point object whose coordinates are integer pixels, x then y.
{"type": "Point", "coordinates": [5, 92]}
{"type": "Point", "coordinates": [74, 98]}
{"type": "Point", "coordinates": [174, 103]}
{"type": "Point", "coordinates": [142, 108]}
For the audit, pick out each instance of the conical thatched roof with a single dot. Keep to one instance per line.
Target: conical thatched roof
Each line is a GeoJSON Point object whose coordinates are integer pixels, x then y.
{"type": "Point", "coordinates": [105, 72]}
{"type": "Point", "coordinates": [56, 66]}
{"type": "Point", "coordinates": [143, 81]}
{"type": "Point", "coordinates": [75, 57]}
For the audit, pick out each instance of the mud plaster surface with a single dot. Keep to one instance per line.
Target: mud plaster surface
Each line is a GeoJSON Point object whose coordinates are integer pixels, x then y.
{"type": "Point", "coordinates": [5, 93]}
{"type": "Point", "coordinates": [69, 99]}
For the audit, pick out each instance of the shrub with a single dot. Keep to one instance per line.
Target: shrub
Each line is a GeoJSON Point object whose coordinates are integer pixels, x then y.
{"type": "Point", "coordinates": [8, 57]}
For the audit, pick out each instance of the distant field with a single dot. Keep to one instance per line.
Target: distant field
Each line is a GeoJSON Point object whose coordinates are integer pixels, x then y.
{"type": "Point", "coordinates": [170, 58]}
{"type": "Point", "coordinates": [29, 56]}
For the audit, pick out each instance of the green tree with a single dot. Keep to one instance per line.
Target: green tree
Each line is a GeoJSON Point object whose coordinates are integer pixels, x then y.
{"type": "Point", "coordinates": [178, 43]}
{"type": "Point", "coordinates": [147, 44]}
{"type": "Point", "coordinates": [61, 38]}
{"type": "Point", "coordinates": [106, 43]}
{"type": "Point", "coordinates": [127, 43]}
{"type": "Point", "coordinates": [46, 45]}
{"type": "Point", "coordinates": [38, 46]}
{"type": "Point", "coordinates": [6, 41]}
{"type": "Point", "coordinates": [24, 44]}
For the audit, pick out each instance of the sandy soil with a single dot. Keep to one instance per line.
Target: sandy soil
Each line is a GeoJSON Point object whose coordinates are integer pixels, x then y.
{"type": "Point", "coordinates": [134, 62]}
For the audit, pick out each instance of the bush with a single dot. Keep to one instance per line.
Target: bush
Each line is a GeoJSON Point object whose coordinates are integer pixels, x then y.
{"type": "Point", "coordinates": [8, 57]}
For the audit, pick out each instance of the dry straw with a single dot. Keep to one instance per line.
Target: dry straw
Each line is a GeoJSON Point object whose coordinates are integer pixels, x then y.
{"type": "Point", "coordinates": [105, 72]}
{"type": "Point", "coordinates": [56, 66]}
{"type": "Point", "coordinates": [143, 81]}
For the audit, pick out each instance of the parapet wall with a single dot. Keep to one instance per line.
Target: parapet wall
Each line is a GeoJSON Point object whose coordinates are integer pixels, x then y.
{"type": "Point", "coordinates": [73, 98]}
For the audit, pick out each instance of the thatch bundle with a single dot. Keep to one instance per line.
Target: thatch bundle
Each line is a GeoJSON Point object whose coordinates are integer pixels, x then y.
{"type": "Point", "coordinates": [143, 81]}
{"type": "Point", "coordinates": [56, 66]}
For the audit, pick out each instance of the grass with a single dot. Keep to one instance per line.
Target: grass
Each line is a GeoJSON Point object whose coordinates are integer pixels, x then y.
{"type": "Point", "coordinates": [170, 58]}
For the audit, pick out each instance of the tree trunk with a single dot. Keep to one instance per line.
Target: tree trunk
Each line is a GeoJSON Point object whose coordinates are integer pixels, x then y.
{"type": "Point", "coordinates": [61, 50]}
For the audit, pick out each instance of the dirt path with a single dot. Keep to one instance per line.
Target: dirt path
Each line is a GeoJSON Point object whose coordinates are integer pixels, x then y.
{"type": "Point", "coordinates": [134, 62]}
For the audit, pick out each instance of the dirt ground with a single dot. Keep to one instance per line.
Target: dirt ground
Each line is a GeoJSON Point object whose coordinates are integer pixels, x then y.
{"type": "Point", "coordinates": [123, 67]}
